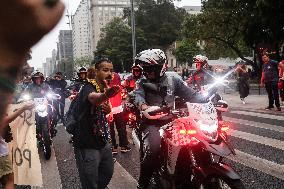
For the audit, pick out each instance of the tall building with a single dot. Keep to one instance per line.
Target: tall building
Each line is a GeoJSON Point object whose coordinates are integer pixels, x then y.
{"type": "Point", "coordinates": [48, 66]}
{"type": "Point", "coordinates": [54, 61]}
{"type": "Point", "coordinates": [65, 52]}
{"type": "Point", "coordinates": [65, 46]}
{"type": "Point", "coordinates": [102, 12]}
{"type": "Point", "coordinates": [81, 31]}
{"type": "Point", "coordinates": [44, 68]}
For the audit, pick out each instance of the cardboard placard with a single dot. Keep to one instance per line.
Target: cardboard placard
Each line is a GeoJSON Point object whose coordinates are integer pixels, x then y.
{"type": "Point", "coordinates": [23, 151]}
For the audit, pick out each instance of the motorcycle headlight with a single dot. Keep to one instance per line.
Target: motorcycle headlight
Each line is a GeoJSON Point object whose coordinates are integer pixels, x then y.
{"type": "Point", "coordinates": [210, 131]}
{"type": "Point", "coordinates": [26, 97]}
{"type": "Point", "coordinates": [49, 95]}
{"type": "Point", "coordinates": [41, 108]}
{"type": "Point", "coordinates": [205, 93]}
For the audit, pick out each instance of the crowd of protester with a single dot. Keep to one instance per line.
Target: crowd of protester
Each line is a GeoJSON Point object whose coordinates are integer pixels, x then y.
{"type": "Point", "coordinates": [98, 91]}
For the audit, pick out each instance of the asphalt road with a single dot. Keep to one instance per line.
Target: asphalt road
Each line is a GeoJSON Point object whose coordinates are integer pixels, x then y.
{"type": "Point", "coordinates": [257, 135]}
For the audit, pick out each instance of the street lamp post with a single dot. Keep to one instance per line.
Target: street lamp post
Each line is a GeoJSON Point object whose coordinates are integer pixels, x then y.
{"type": "Point", "coordinates": [133, 30]}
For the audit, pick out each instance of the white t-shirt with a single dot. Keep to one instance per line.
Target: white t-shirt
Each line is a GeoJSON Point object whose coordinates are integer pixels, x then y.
{"type": "Point", "coordinates": [4, 151]}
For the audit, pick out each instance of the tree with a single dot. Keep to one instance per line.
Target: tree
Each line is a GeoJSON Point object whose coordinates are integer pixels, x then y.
{"type": "Point", "coordinates": [160, 21]}
{"type": "Point", "coordinates": [240, 25]}
{"type": "Point", "coordinates": [220, 25]}
{"type": "Point", "coordinates": [84, 61]}
{"type": "Point", "coordinates": [116, 44]}
{"type": "Point", "coordinates": [186, 50]}
{"type": "Point", "coordinates": [265, 26]}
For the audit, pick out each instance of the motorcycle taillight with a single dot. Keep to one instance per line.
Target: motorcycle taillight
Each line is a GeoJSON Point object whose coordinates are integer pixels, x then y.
{"type": "Point", "coordinates": [223, 126]}
{"type": "Point", "coordinates": [131, 117]}
{"type": "Point", "coordinates": [187, 132]}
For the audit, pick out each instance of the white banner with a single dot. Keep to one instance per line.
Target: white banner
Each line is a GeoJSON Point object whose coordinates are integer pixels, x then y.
{"type": "Point", "coordinates": [23, 149]}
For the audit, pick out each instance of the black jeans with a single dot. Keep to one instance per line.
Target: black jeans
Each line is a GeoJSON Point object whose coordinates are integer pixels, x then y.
{"type": "Point", "coordinates": [95, 167]}
{"type": "Point", "coordinates": [273, 95]}
{"type": "Point", "coordinates": [150, 160]}
{"type": "Point", "coordinates": [119, 123]}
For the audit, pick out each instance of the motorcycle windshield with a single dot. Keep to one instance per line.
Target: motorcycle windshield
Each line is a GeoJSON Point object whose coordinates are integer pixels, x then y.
{"type": "Point", "coordinates": [204, 112]}
{"type": "Point", "coordinates": [39, 101]}
{"type": "Point", "coordinates": [205, 116]}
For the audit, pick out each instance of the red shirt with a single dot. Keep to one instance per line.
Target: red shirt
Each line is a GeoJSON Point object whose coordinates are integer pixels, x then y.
{"type": "Point", "coordinates": [116, 100]}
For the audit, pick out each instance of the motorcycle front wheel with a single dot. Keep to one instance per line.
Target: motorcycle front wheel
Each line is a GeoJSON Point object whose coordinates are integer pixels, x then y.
{"type": "Point", "coordinates": [222, 183]}
{"type": "Point", "coordinates": [46, 142]}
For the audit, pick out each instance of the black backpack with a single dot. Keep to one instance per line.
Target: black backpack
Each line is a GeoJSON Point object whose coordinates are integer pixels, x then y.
{"type": "Point", "coordinates": [71, 120]}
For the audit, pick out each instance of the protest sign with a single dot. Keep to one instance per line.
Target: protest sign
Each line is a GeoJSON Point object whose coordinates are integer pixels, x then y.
{"type": "Point", "coordinates": [23, 149]}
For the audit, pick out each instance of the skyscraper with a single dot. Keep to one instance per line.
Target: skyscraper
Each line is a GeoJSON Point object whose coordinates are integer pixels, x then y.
{"type": "Point", "coordinates": [65, 46]}
{"type": "Point", "coordinates": [102, 12]}
{"type": "Point", "coordinates": [81, 31]}
{"type": "Point", "coordinates": [65, 52]}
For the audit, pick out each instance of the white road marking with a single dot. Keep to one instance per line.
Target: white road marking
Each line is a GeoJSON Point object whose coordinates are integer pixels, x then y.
{"type": "Point", "coordinates": [260, 164]}
{"type": "Point", "coordinates": [255, 124]}
{"type": "Point", "coordinates": [258, 139]}
{"type": "Point", "coordinates": [261, 115]}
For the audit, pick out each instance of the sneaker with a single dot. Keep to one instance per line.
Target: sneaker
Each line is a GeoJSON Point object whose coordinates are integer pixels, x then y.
{"type": "Point", "coordinates": [125, 149]}
{"type": "Point", "coordinates": [268, 108]}
{"type": "Point", "coordinates": [114, 150]}
{"type": "Point", "coordinates": [278, 109]}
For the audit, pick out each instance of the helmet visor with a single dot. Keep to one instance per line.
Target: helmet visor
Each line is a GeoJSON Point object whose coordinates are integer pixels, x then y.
{"type": "Point", "coordinates": [149, 69]}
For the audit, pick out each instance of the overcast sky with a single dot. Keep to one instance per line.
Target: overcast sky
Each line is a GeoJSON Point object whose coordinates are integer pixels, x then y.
{"type": "Point", "coordinates": [43, 49]}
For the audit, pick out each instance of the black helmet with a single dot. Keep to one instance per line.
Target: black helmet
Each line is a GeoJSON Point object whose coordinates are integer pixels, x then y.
{"type": "Point", "coordinates": [82, 70]}
{"type": "Point", "coordinates": [136, 68]}
{"type": "Point", "coordinates": [37, 74]}
{"type": "Point", "coordinates": [152, 60]}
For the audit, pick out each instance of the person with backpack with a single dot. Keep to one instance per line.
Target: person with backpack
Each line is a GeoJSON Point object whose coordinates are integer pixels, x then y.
{"type": "Point", "coordinates": [90, 128]}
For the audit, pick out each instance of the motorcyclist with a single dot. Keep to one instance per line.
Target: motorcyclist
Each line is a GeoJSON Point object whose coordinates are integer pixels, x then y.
{"type": "Point", "coordinates": [154, 64]}
{"type": "Point", "coordinates": [201, 76]}
{"type": "Point", "coordinates": [82, 78]}
{"type": "Point", "coordinates": [58, 84]}
{"type": "Point", "coordinates": [38, 88]}
{"type": "Point", "coordinates": [129, 83]}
